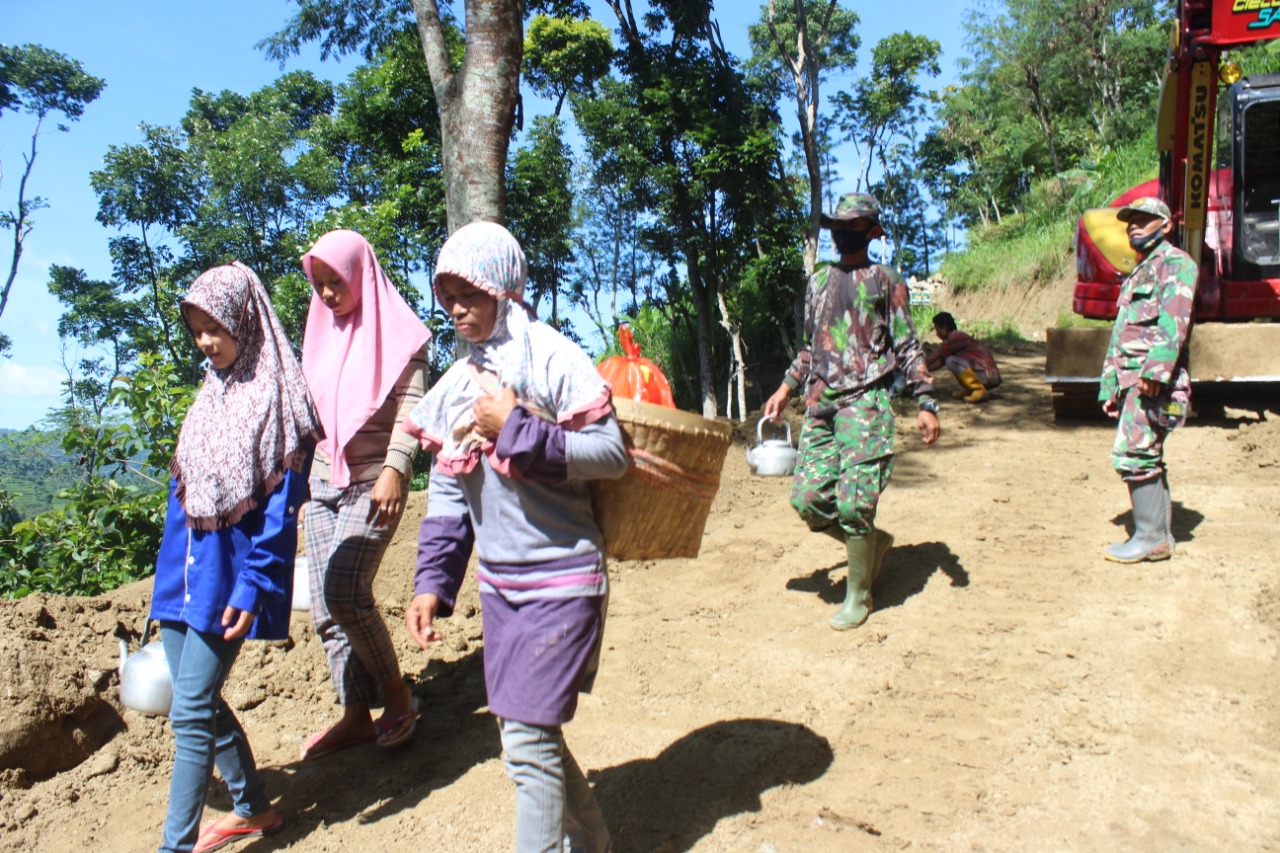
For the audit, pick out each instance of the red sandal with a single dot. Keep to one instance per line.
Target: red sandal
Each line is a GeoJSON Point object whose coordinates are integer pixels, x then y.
{"type": "Point", "coordinates": [220, 837]}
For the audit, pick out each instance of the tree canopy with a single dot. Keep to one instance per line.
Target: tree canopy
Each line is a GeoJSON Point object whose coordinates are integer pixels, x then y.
{"type": "Point", "coordinates": [39, 82]}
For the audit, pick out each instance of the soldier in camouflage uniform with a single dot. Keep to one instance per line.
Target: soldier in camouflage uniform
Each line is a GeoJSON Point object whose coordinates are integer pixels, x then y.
{"type": "Point", "coordinates": [858, 333]}
{"type": "Point", "coordinates": [1145, 384]}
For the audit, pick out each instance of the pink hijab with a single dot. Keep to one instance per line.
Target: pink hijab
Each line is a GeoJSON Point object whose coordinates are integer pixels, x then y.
{"type": "Point", "coordinates": [352, 362]}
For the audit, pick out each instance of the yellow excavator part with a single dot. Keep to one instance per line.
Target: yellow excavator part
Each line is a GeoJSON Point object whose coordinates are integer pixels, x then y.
{"type": "Point", "coordinates": [1108, 234]}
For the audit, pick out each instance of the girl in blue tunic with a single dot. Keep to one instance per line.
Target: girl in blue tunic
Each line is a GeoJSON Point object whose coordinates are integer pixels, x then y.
{"type": "Point", "coordinates": [225, 568]}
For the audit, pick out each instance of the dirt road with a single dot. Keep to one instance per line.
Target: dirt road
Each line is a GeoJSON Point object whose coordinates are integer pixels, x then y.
{"type": "Point", "coordinates": [1012, 691]}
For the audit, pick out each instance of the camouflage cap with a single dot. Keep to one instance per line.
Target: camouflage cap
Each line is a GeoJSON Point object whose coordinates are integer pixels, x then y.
{"type": "Point", "coordinates": [850, 207]}
{"type": "Point", "coordinates": [1149, 205]}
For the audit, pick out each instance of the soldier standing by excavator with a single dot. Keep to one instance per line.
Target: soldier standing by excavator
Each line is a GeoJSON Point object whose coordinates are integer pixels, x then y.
{"type": "Point", "coordinates": [1145, 384]}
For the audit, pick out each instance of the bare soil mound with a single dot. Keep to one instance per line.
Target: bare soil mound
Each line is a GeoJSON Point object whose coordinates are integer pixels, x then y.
{"type": "Point", "coordinates": [1012, 691]}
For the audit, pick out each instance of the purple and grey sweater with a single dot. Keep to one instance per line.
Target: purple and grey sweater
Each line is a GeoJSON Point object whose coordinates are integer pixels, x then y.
{"type": "Point", "coordinates": [537, 536]}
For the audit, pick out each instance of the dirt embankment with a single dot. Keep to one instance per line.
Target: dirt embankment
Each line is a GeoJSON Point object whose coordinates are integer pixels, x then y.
{"type": "Point", "coordinates": [1012, 691]}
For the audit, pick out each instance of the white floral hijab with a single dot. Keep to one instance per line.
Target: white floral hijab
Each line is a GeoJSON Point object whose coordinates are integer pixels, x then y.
{"type": "Point", "coordinates": [552, 376]}
{"type": "Point", "coordinates": [250, 422]}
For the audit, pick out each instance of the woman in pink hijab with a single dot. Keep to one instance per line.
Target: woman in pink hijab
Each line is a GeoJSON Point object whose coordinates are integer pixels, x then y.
{"type": "Point", "coordinates": [365, 360]}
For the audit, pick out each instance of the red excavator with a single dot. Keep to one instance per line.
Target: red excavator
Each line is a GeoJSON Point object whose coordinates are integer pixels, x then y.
{"type": "Point", "coordinates": [1218, 136]}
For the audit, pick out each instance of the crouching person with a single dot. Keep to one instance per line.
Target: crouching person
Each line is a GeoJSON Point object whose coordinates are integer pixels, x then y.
{"type": "Point", "coordinates": [969, 360]}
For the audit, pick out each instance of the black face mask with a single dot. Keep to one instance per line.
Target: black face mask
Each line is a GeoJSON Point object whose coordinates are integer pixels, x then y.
{"type": "Point", "coordinates": [1142, 245]}
{"type": "Point", "coordinates": [849, 242]}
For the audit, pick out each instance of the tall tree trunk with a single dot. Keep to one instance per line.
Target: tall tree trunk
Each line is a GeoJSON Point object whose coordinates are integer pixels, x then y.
{"type": "Point", "coordinates": [21, 228]}
{"type": "Point", "coordinates": [737, 385]}
{"type": "Point", "coordinates": [702, 319]}
{"type": "Point", "coordinates": [477, 103]}
{"type": "Point", "coordinates": [805, 76]}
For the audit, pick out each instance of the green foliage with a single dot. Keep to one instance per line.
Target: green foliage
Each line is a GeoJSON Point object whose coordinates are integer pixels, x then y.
{"type": "Point", "coordinates": [33, 470]}
{"type": "Point", "coordinates": [830, 32]}
{"type": "Point", "coordinates": [889, 100]}
{"type": "Point", "coordinates": [41, 81]}
{"type": "Point", "coordinates": [1040, 254]}
{"type": "Point", "coordinates": [1046, 85]}
{"type": "Point", "coordinates": [1006, 331]}
{"type": "Point", "coordinates": [1036, 245]}
{"type": "Point", "coordinates": [108, 532]}
{"type": "Point", "coordinates": [540, 211]}
{"type": "Point", "coordinates": [565, 55]}
{"type": "Point", "coordinates": [689, 146]}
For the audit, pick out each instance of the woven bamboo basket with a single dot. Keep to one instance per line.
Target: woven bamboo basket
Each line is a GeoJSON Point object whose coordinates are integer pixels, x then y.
{"type": "Point", "coordinates": [658, 509]}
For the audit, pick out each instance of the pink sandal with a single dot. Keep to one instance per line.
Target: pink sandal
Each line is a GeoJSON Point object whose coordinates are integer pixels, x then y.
{"type": "Point", "coordinates": [398, 730]}
{"type": "Point", "coordinates": [220, 837]}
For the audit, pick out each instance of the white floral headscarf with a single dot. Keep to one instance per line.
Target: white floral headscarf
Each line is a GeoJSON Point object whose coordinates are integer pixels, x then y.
{"type": "Point", "coordinates": [551, 375]}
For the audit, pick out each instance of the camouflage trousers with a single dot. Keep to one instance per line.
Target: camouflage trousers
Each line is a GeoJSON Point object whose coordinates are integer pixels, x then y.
{"type": "Point", "coordinates": [844, 464]}
{"type": "Point", "coordinates": [1138, 451]}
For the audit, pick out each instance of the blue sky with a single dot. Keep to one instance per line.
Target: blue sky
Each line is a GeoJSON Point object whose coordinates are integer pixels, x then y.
{"type": "Point", "coordinates": [152, 54]}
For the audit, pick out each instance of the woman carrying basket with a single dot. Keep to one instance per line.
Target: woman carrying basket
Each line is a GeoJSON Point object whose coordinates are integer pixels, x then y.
{"type": "Point", "coordinates": [519, 428]}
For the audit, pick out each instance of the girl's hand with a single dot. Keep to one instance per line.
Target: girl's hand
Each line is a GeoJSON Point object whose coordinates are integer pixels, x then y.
{"type": "Point", "coordinates": [240, 621]}
{"type": "Point", "coordinates": [492, 412]}
{"type": "Point", "coordinates": [386, 498]}
{"type": "Point", "coordinates": [419, 616]}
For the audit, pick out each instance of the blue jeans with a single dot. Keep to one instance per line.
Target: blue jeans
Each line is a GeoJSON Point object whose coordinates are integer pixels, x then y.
{"type": "Point", "coordinates": [206, 733]}
{"type": "Point", "coordinates": [556, 810]}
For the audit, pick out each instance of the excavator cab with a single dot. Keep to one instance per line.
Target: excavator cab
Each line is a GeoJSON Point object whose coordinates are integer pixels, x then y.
{"type": "Point", "coordinates": [1254, 104]}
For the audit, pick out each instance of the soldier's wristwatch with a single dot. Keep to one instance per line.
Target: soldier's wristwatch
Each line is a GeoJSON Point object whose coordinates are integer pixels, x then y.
{"type": "Point", "coordinates": [929, 405]}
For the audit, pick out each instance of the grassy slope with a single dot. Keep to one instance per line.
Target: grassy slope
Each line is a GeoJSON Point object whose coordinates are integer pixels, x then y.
{"type": "Point", "coordinates": [1033, 247]}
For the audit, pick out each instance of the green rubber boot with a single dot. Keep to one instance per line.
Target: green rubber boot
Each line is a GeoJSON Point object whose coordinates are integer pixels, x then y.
{"type": "Point", "coordinates": [884, 541]}
{"type": "Point", "coordinates": [857, 596]}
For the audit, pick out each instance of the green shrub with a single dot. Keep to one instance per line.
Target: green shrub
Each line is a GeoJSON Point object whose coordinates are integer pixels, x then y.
{"type": "Point", "coordinates": [106, 534]}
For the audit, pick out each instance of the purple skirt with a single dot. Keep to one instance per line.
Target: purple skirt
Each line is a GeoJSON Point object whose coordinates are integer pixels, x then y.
{"type": "Point", "coordinates": [539, 654]}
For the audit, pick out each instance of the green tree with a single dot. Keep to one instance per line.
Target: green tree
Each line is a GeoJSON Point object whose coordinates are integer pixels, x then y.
{"type": "Point", "coordinates": [614, 272]}
{"type": "Point", "coordinates": [264, 180]}
{"type": "Point", "coordinates": [696, 143]}
{"type": "Point", "coordinates": [109, 530]}
{"type": "Point", "coordinates": [156, 188]}
{"type": "Point", "coordinates": [541, 206]}
{"type": "Point", "coordinates": [889, 100]}
{"type": "Point", "coordinates": [803, 43]}
{"type": "Point", "coordinates": [1045, 87]}
{"type": "Point", "coordinates": [98, 317]}
{"type": "Point", "coordinates": [476, 90]}
{"type": "Point", "coordinates": [39, 82]}
{"type": "Point", "coordinates": [386, 150]}
{"type": "Point", "coordinates": [564, 56]}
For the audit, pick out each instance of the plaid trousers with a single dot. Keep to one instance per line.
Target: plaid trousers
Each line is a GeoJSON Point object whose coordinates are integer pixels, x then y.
{"type": "Point", "coordinates": [343, 555]}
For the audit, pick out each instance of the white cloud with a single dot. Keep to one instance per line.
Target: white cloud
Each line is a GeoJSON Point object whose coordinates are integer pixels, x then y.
{"type": "Point", "coordinates": [20, 380]}
{"type": "Point", "coordinates": [28, 393]}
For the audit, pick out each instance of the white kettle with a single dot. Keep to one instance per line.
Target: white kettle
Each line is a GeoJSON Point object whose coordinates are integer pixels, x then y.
{"type": "Point", "coordinates": [145, 682]}
{"type": "Point", "coordinates": [774, 457]}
